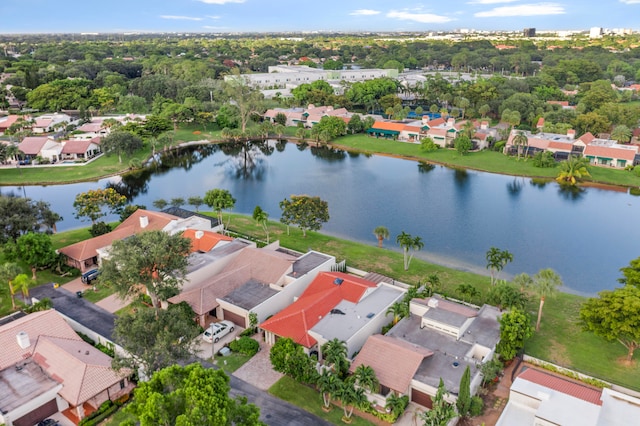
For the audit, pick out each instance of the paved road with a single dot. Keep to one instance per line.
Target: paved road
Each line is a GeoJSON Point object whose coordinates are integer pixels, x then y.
{"type": "Point", "coordinates": [273, 411]}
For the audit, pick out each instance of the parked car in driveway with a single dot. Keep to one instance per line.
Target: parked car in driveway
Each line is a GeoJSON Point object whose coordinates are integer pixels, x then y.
{"type": "Point", "coordinates": [48, 422]}
{"type": "Point", "coordinates": [217, 330]}
{"type": "Point", "coordinates": [89, 276]}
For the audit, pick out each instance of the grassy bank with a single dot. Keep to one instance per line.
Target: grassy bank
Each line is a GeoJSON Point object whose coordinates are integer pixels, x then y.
{"type": "Point", "coordinates": [488, 161]}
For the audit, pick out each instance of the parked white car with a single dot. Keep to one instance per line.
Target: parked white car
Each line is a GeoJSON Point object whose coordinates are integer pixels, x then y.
{"type": "Point", "coordinates": [217, 330]}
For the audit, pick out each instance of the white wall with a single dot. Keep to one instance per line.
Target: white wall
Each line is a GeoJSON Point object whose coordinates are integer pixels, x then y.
{"type": "Point", "coordinates": [35, 403]}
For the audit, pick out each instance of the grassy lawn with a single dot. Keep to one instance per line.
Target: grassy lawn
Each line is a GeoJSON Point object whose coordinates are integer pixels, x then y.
{"type": "Point", "coordinates": [231, 362]}
{"type": "Point", "coordinates": [118, 418]}
{"type": "Point", "coordinates": [310, 400]}
{"type": "Point", "coordinates": [100, 293]}
{"type": "Point", "coordinates": [489, 161]}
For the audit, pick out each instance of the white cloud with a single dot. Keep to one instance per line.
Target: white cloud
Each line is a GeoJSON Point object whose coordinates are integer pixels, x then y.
{"type": "Point", "coordinates": [182, 18]}
{"type": "Point", "coordinates": [364, 12]}
{"type": "Point", "coordinates": [423, 18]}
{"type": "Point", "coordinates": [523, 10]}
{"type": "Point", "coordinates": [490, 1]}
{"type": "Point", "coordinates": [213, 16]}
{"type": "Point", "coordinates": [630, 1]}
{"type": "Point", "coordinates": [221, 1]}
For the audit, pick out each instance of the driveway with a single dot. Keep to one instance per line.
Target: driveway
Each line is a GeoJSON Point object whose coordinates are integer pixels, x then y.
{"type": "Point", "coordinates": [205, 349]}
{"type": "Point", "coordinates": [258, 371]}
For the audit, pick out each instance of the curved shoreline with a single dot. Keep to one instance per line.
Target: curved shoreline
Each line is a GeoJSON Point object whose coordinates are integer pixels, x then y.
{"type": "Point", "coordinates": [589, 183]}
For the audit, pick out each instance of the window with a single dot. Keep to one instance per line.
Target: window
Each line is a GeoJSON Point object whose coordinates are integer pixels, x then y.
{"type": "Point", "coordinates": [122, 384]}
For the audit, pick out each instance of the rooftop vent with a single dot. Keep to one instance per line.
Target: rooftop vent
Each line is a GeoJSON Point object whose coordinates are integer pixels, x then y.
{"type": "Point", "coordinates": [455, 364]}
{"type": "Point", "coordinates": [338, 281]}
{"type": "Point", "coordinates": [23, 339]}
{"type": "Point", "coordinates": [371, 315]}
{"type": "Point", "coordinates": [337, 312]}
{"type": "Point", "coordinates": [144, 221]}
{"type": "Point", "coordinates": [199, 234]}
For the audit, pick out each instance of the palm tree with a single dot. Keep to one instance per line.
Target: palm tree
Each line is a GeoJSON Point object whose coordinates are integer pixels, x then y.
{"type": "Point", "coordinates": [546, 283]}
{"type": "Point", "coordinates": [301, 133]}
{"type": "Point", "coordinates": [467, 290]}
{"type": "Point", "coordinates": [496, 261]}
{"type": "Point", "coordinates": [279, 129]}
{"type": "Point", "coordinates": [22, 282]}
{"type": "Point", "coordinates": [381, 233]}
{"type": "Point", "coordinates": [522, 280]}
{"type": "Point", "coordinates": [621, 134]}
{"type": "Point", "coordinates": [8, 272]}
{"type": "Point", "coordinates": [334, 354]}
{"type": "Point", "coordinates": [396, 404]}
{"type": "Point", "coordinates": [520, 140]}
{"type": "Point", "coordinates": [351, 397]}
{"type": "Point", "coordinates": [328, 384]}
{"type": "Point", "coordinates": [366, 378]}
{"type": "Point", "coordinates": [262, 217]}
{"type": "Point", "coordinates": [406, 241]}
{"type": "Point", "coordinates": [572, 170]}
{"type": "Point", "coordinates": [398, 310]}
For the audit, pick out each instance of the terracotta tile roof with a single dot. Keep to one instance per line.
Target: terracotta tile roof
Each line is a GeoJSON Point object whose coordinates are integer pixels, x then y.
{"type": "Point", "coordinates": [383, 353]}
{"type": "Point", "coordinates": [265, 265]}
{"type": "Point", "coordinates": [540, 122]}
{"type": "Point", "coordinates": [560, 384]}
{"type": "Point", "coordinates": [388, 125]}
{"type": "Point", "coordinates": [83, 370]}
{"type": "Point", "coordinates": [409, 128]}
{"type": "Point", "coordinates": [87, 249]}
{"type": "Point", "coordinates": [31, 145]}
{"type": "Point", "coordinates": [436, 122]}
{"type": "Point", "coordinates": [206, 241]}
{"type": "Point", "coordinates": [625, 152]}
{"type": "Point", "coordinates": [562, 146]}
{"type": "Point", "coordinates": [587, 137]}
{"type": "Point", "coordinates": [8, 121]}
{"type": "Point", "coordinates": [322, 295]}
{"type": "Point", "coordinates": [561, 103]}
{"type": "Point", "coordinates": [93, 126]}
{"type": "Point", "coordinates": [43, 122]}
{"type": "Point", "coordinates": [76, 146]}
{"type": "Point", "coordinates": [48, 323]}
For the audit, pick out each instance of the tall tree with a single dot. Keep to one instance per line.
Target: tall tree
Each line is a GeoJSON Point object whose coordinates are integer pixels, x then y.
{"type": "Point", "coordinates": [381, 233]}
{"type": "Point", "coordinates": [8, 272]}
{"type": "Point", "coordinates": [160, 203]}
{"type": "Point", "coordinates": [191, 395]}
{"type": "Point", "coordinates": [153, 259]}
{"type": "Point", "coordinates": [496, 261]}
{"type": "Point", "coordinates": [248, 100]}
{"type": "Point", "coordinates": [621, 133]}
{"type": "Point", "coordinates": [334, 354]}
{"type": "Point", "coordinates": [22, 282]}
{"type": "Point", "coordinates": [328, 384]}
{"type": "Point", "coordinates": [262, 217]}
{"type": "Point", "coordinates": [195, 201]}
{"type": "Point", "coordinates": [121, 143]}
{"type": "Point", "coordinates": [309, 213]}
{"type": "Point", "coordinates": [155, 339]}
{"type": "Point", "coordinates": [20, 215]}
{"type": "Point", "coordinates": [219, 200]}
{"type": "Point", "coordinates": [351, 397]}
{"type": "Point", "coordinates": [90, 204]}
{"type": "Point", "coordinates": [36, 250]}
{"type": "Point", "coordinates": [520, 140]}
{"type": "Point", "coordinates": [545, 284]}
{"type": "Point", "coordinates": [615, 316]}
{"type": "Point", "coordinates": [515, 329]}
{"type": "Point", "coordinates": [463, 403]}
{"type": "Point", "coordinates": [408, 242]}
{"type": "Point", "coordinates": [176, 202]}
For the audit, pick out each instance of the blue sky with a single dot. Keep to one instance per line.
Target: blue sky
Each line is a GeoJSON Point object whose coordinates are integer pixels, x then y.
{"type": "Point", "coordinates": [45, 16]}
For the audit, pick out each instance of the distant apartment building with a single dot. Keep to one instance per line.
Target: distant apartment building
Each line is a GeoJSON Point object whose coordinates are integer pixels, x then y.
{"type": "Point", "coordinates": [286, 76]}
{"type": "Point", "coordinates": [529, 32]}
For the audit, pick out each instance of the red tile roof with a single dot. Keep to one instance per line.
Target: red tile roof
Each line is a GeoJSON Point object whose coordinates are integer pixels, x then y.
{"type": "Point", "coordinates": [587, 137]}
{"type": "Point", "coordinates": [436, 122]}
{"type": "Point", "coordinates": [6, 123]}
{"type": "Point", "coordinates": [76, 146]}
{"type": "Point", "coordinates": [560, 384]}
{"type": "Point", "coordinates": [31, 145]}
{"type": "Point", "coordinates": [315, 302]}
{"type": "Point", "coordinates": [383, 353]}
{"type": "Point", "coordinates": [627, 152]}
{"type": "Point", "coordinates": [206, 241]}
{"type": "Point", "coordinates": [87, 249]}
{"type": "Point", "coordinates": [388, 125]}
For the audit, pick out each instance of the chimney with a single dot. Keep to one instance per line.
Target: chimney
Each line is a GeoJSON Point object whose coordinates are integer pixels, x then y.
{"type": "Point", "coordinates": [484, 125]}
{"type": "Point", "coordinates": [144, 221]}
{"type": "Point", "coordinates": [199, 234]}
{"type": "Point", "coordinates": [451, 121]}
{"type": "Point", "coordinates": [571, 133]}
{"type": "Point", "coordinates": [23, 340]}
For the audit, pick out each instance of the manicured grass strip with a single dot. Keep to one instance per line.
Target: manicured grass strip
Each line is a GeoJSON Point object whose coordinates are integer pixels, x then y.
{"type": "Point", "coordinates": [309, 400]}
{"type": "Point", "coordinates": [231, 362]}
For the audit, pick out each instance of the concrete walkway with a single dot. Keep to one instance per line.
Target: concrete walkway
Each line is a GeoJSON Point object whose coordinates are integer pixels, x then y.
{"type": "Point", "coordinates": [258, 370]}
{"type": "Point", "coordinates": [113, 303]}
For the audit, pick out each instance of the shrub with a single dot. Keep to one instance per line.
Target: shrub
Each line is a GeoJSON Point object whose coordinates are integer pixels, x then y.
{"type": "Point", "coordinates": [99, 228]}
{"type": "Point", "coordinates": [636, 170]}
{"type": "Point", "coordinates": [499, 146]}
{"type": "Point", "coordinates": [245, 345]}
{"type": "Point", "coordinates": [477, 406]}
{"type": "Point", "coordinates": [105, 410]}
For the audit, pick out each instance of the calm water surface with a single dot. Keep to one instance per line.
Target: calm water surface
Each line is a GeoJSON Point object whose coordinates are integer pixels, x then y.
{"type": "Point", "coordinates": [586, 236]}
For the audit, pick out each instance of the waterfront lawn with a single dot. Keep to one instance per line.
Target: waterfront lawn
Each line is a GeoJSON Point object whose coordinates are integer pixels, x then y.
{"type": "Point", "coordinates": [196, 132]}
{"type": "Point", "coordinates": [309, 400]}
{"type": "Point", "coordinates": [489, 161]}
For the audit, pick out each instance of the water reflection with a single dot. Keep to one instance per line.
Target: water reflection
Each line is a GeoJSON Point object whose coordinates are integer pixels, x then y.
{"type": "Point", "coordinates": [461, 178]}
{"type": "Point", "coordinates": [571, 192]}
{"type": "Point", "coordinates": [514, 187]}
{"type": "Point", "coordinates": [425, 167]}
{"type": "Point", "coordinates": [539, 183]}
{"type": "Point", "coordinates": [328, 153]}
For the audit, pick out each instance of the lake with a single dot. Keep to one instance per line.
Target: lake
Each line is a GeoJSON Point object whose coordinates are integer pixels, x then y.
{"type": "Point", "coordinates": [586, 235]}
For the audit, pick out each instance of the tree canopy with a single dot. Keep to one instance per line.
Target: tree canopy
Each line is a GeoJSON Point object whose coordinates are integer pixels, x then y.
{"type": "Point", "coordinates": [308, 213]}
{"type": "Point", "coordinates": [219, 200]}
{"type": "Point", "coordinates": [151, 260]}
{"type": "Point", "coordinates": [91, 204]}
{"type": "Point", "coordinates": [190, 396]}
{"type": "Point", "coordinates": [36, 250]}
{"type": "Point", "coordinates": [21, 215]}
{"type": "Point", "coordinates": [121, 143]}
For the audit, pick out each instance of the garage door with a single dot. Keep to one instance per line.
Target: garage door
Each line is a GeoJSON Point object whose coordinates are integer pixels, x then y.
{"type": "Point", "coordinates": [421, 398]}
{"type": "Point", "coordinates": [38, 414]}
{"type": "Point", "coordinates": [235, 318]}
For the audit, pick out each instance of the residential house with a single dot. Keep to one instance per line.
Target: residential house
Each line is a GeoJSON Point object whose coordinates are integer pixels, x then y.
{"type": "Point", "coordinates": [7, 121]}
{"type": "Point", "coordinates": [540, 398]}
{"type": "Point", "coordinates": [92, 129]}
{"type": "Point", "coordinates": [606, 152]}
{"type": "Point", "coordinates": [308, 116]}
{"type": "Point", "coordinates": [438, 340]}
{"type": "Point", "coordinates": [88, 254]}
{"type": "Point", "coordinates": [260, 273]}
{"type": "Point", "coordinates": [442, 132]}
{"type": "Point", "coordinates": [80, 149]}
{"type": "Point", "coordinates": [334, 305]}
{"type": "Point", "coordinates": [47, 368]}
{"type": "Point", "coordinates": [46, 147]}
{"type": "Point", "coordinates": [49, 122]}
{"type": "Point", "coordinates": [409, 132]}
